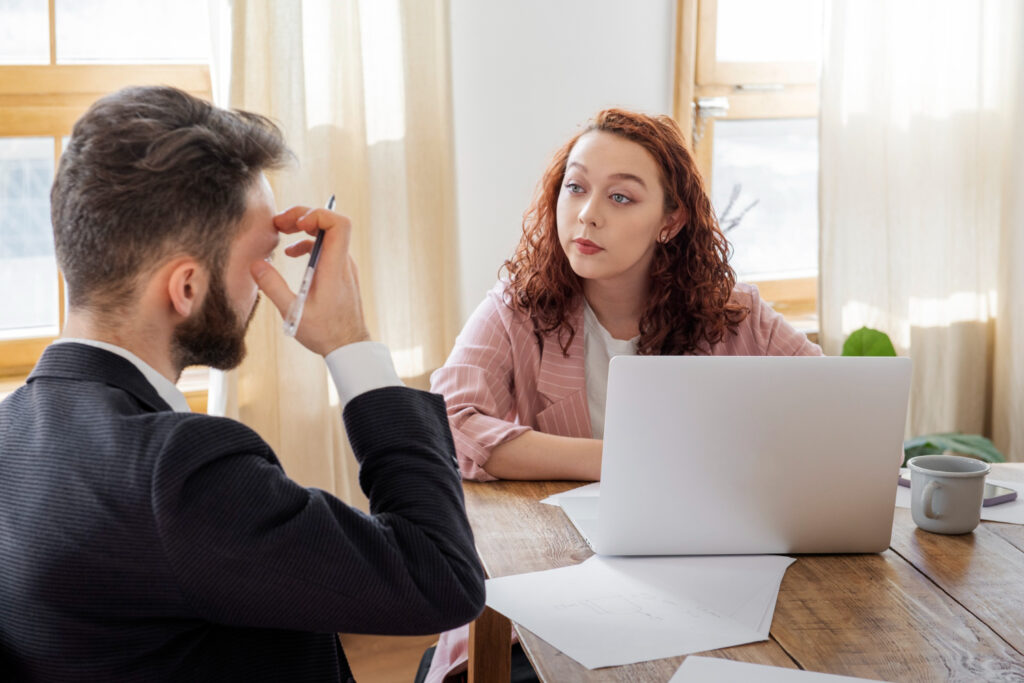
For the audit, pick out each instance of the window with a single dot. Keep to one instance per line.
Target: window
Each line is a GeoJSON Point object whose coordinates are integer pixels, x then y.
{"type": "Point", "coordinates": [56, 58]}
{"type": "Point", "coordinates": [747, 96]}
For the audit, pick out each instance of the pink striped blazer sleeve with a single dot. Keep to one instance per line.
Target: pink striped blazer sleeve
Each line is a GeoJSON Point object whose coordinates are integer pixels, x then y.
{"type": "Point", "coordinates": [477, 383]}
{"type": "Point", "coordinates": [499, 382]}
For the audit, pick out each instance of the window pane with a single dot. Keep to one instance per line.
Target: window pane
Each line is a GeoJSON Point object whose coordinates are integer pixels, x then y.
{"type": "Point", "coordinates": [764, 186]}
{"type": "Point", "coordinates": [777, 31]}
{"type": "Point", "coordinates": [24, 32]}
{"type": "Point", "coordinates": [28, 270]}
{"type": "Point", "coordinates": [128, 31]}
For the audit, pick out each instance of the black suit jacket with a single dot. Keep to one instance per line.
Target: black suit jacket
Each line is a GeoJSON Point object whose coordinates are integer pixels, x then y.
{"type": "Point", "coordinates": [137, 543]}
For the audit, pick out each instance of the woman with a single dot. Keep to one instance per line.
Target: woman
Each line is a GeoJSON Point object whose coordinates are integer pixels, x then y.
{"type": "Point", "coordinates": [621, 253]}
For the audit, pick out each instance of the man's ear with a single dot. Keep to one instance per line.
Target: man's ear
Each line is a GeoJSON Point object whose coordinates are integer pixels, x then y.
{"type": "Point", "coordinates": [186, 286]}
{"type": "Point", "coordinates": [674, 222]}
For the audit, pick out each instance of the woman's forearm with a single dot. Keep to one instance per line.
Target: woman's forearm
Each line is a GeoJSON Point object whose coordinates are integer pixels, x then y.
{"type": "Point", "coordinates": [535, 455]}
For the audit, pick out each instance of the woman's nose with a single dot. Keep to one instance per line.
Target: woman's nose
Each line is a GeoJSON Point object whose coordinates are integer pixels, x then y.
{"type": "Point", "coordinates": [589, 213]}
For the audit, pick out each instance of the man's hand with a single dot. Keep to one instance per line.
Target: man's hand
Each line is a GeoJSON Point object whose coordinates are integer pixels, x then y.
{"type": "Point", "coordinates": [333, 315]}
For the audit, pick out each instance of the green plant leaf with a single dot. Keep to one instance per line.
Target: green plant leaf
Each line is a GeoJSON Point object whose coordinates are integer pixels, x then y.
{"type": "Point", "coordinates": [973, 445]}
{"type": "Point", "coordinates": [868, 342]}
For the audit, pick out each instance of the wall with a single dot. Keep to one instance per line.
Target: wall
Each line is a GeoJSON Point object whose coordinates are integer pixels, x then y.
{"type": "Point", "coordinates": [525, 76]}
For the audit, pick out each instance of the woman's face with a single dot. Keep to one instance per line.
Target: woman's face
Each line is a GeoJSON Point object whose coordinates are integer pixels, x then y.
{"type": "Point", "coordinates": [611, 209]}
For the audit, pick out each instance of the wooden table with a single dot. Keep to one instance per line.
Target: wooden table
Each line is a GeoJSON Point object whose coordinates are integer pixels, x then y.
{"type": "Point", "coordinates": [930, 608]}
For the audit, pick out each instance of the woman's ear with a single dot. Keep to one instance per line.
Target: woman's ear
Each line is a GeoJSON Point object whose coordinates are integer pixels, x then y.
{"type": "Point", "coordinates": [674, 222]}
{"type": "Point", "coordinates": [186, 286]}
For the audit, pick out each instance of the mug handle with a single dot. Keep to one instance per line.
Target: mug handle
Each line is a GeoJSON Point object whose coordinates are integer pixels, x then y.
{"type": "Point", "coordinates": [926, 496]}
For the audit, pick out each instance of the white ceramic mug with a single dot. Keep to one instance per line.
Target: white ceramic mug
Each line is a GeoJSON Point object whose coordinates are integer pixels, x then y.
{"type": "Point", "coordinates": [946, 492]}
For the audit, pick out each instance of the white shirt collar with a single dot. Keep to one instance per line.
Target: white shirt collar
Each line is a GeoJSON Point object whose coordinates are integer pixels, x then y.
{"type": "Point", "coordinates": [164, 387]}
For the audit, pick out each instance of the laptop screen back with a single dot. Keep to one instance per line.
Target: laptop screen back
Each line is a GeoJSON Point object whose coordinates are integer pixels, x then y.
{"type": "Point", "coordinates": [741, 455]}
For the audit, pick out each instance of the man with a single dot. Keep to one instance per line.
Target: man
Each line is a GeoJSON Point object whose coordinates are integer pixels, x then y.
{"type": "Point", "coordinates": [139, 541]}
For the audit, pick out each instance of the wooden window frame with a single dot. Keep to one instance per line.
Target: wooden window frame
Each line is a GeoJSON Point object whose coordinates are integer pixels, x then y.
{"type": "Point", "coordinates": [45, 100]}
{"type": "Point", "coordinates": [710, 70]}
{"type": "Point", "coordinates": [753, 91]}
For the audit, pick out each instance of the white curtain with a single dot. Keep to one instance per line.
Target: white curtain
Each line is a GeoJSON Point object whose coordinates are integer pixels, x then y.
{"type": "Point", "coordinates": [361, 91]}
{"type": "Point", "coordinates": [921, 217]}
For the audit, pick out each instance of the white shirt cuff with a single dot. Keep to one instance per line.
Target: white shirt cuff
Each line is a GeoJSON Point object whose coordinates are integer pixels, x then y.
{"type": "Point", "coordinates": [360, 367]}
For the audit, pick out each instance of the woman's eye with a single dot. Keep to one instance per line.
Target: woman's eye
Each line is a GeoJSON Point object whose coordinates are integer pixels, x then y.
{"type": "Point", "coordinates": [621, 198]}
{"type": "Point", "coordinates": [574, 188]}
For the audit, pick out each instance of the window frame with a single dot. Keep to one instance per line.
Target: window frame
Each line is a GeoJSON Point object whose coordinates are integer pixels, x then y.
{"type": "Point", "coordinates": [45, 100]}
{"type": "Point", "coordinates": [710, 70]}
{"type": "Point", "coordinates": [770, 90]}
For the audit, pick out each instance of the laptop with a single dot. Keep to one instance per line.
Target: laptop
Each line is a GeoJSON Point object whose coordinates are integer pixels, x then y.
{"type": "Point", "coordinates": [743, 455]}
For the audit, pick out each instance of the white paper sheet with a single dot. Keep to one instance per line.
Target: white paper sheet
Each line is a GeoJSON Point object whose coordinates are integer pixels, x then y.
{"type": "Point", "coordinates": [712, 670]}
{"type": "Point", "coordinates": [1012, 512]}
{"type": "Point", "coordinates": [580, 506]}
{"type": "Point", "coordinates": [580, 491]}
{"type": "Point", "coordinates": [582, 512]}
{"type": "Point", "coordinates": [608, 611]}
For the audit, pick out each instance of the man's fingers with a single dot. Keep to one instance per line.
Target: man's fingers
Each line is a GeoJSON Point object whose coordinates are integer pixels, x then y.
{"type": "Point", "coordinates": [273, 285]}
{"type": "Point", "coordinates": [299, 248]}
{"type": "Point", "coordinates": [302, 218]}
{"type": "Point", "coordinates": [338, 228]}
{"type": "Point", "coordinates": [286, 220]}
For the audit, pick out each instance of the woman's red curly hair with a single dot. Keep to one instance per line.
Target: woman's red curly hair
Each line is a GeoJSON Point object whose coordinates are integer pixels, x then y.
{"type": "Point", "coordinates": [691, 282]}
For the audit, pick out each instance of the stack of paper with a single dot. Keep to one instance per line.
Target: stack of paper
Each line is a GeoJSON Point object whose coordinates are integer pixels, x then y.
{"type": "Point", "coordinates": [609, 611]}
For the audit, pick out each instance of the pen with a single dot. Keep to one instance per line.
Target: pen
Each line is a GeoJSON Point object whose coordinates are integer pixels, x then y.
{"type": "Point", "coordinates": [291, 321]}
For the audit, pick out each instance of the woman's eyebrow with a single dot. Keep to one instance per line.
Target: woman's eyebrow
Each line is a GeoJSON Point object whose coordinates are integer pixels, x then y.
{"type": "Point", "coordinates": [629, 176]}
{"type": "Point", "coordinates": [613, 176]}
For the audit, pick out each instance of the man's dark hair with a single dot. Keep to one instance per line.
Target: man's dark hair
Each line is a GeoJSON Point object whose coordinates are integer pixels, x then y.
{"type": "Point", "coordinates": [150, 172]}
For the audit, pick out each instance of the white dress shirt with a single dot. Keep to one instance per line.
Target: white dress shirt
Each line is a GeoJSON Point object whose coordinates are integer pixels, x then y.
{"type": "Point", "coordinates": [355, 368]}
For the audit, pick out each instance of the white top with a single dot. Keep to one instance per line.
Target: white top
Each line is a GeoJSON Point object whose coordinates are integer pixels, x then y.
{"type": "Point", "coordinates": [599, 347]}
{"type": "Point", "coordinates": [355, 368]}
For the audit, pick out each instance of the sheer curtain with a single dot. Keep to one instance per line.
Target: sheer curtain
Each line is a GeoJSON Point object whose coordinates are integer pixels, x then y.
{"type": "Point", "coordinates": [361, 90]}
{"type": "Point", "coordinates": [921, 217]}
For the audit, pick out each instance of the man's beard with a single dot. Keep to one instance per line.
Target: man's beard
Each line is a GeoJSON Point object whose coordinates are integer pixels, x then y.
{"type": "Point", "coordinates": [214, 336]}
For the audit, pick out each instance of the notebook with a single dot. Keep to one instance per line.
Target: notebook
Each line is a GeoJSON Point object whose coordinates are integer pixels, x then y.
{"type": "Point", "coordinates": [744, 455]}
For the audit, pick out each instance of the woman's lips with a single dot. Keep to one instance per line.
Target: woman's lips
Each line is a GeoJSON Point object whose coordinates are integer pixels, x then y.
{"type": "Point", "coordinates": [586, 246]}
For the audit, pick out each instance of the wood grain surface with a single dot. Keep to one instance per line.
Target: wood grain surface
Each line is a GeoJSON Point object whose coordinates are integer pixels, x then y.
{"type": "Point", "coordinates": [931, 608]}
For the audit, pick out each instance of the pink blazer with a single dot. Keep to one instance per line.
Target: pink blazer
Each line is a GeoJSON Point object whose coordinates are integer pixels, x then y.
{"type": "Point", "coordinates": [498, 382]}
